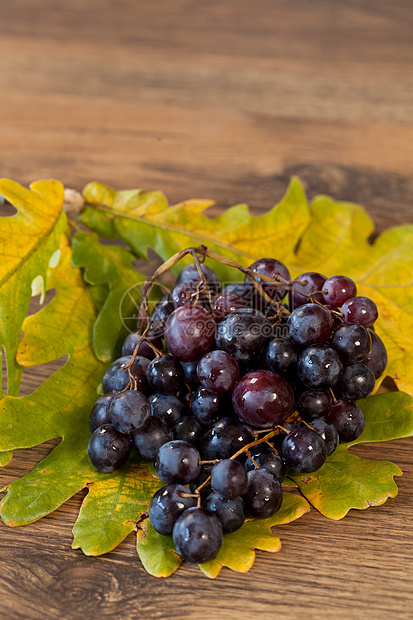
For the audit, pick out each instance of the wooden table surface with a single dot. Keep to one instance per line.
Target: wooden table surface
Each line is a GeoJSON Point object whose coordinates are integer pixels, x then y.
{"type": "Point", "coordinates": [223, 100]}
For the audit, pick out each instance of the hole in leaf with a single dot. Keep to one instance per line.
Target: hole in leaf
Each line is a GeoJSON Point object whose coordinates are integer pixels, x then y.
{"type": "Point", "coordinates": [36, 302]}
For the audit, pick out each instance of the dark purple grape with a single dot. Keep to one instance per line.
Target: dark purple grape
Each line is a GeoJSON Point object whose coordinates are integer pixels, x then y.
{"type": "Point", "coordinates": [327, 432]}
{"type": "Point", "coordinates": [190, 274]}
{"type": "Point", "coordinates": [319, 366]}
{"type": "Point", "coordinates": [338, 289]}
{"type": "Point", "coordinates": [165, 375]}
{"type": "Point", "coordinates": [304, 450]}
{"type": "Point", "coordinates": [228, 478]}
{"type": "Point", "coordinates": [225, 303]}
{"type": "Point", "coordinates": [167, 505]}
{"type": "Point", "coordinates": [263, 398]}
{"type": "Point", "coordinates": [177, 461]}
{"type": "Point", "coordinates": [266, 458]}
{"type": "Point", "coordinates": [310, 324]}
{"type": "Point", "coordinates": [184, 294]}
{"type": "Point", "coordinates": [160, 314]}
{"type": "Point", "coordinates": [347, 418]}
{"type": "Point", "coordinates": [376, 360]}
{"type": "Point", "coordinates": [281, 355]}
{"type": "Point", "coordinates": [225, 438]}
{"type": "Point", "coordinates": [356, 381]}
{"type": "Point", "coordinates": [209, 407]}
{"type": "Point", "coordinates": [271, 268]}
{"type": "Point", "coordinates": [263, 495]}
{"type": "Point", "coordinates": [190, 333]}
{"type": "Point", "coordinates": [191, 376]}
{"type": "Point", "coordinates": [229, 511]}
{"type": "Point", "coordinates": [315, 403]}
{"type": "Point", "coordinates": [151, 437]}
{"type": "Point", "coordinates": [244, 334]}
{"type": "Point", "coordinates": [197, 535]}
{"type": "Point", "coordinates": [361, 310]}
{"type": "Point", "coordinates": [100, 412]}
{"type": "Point", "coordinates": [167, 407]}
{"type": "Point", "coordinates": [314, 284]}
{"type": "Point", "coordinates": [218, 372]}
{"type": "Point", "coordinates": [129, 411]}
{"type": "Point", "coordinates": [116, 378]}
{"type": "Point", "coordinates": [187, 429]}
{"type": "Point", "coordinates": [335, 315]}
{"type": "Point", "coordinates": [144, 350]}
{"type": "Point", "coordinates": [352, 341]}
{"type": "Point", "coordinates": [108, 449]}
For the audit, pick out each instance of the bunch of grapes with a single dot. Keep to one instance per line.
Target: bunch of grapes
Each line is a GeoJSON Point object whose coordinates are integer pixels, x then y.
{"type": "Point", "coordinates": [258, 378]}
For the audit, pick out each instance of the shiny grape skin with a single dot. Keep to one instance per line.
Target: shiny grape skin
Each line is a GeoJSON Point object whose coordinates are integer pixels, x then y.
{"type": "Point", "coordinates": [228, 478]}
{"type": "Point", "coordinates": [242, 291]}
{"type": "Point", "coordinates": [319, 366]}
{"type": "Point", "coordinates": [190, 333]}
{"type": "Point", "coordinates": [310, 324]}
{"type": "Point", "coordinates": [187, 429]}
{"type": "Point", "coordinates": [281, 355]}
{"type": "Point", "coordinates": [304, 450]}
{"type": "Point", "coordinates": [190, 274]}
{"type": "Point", "coordinates": [226, 302]}
{"type": "Point", "coordinates": [224, 438]}
{"type": "Point", "coordinates": [151, 437]}
{"type": "Point", "coordinates": [315, 282]}
{"type": "Point", "coordinates": [263, 495]}
{"type": "Point", "coordinates": [347, 418]}
{"type": "Point", "coordinates": [167, 407]}
{"type": "Point", "coordinates": [167, 505]}
{"type": "Point", "coordinates": [218, 372]}
{"type": "Point", "coordinates": [356, 382]}
{"type": "Point", "coordinates": [165, 375]}
{"type": "Point", "coordinates": [190, 373]}
{"type": "Point", "coordinates": [144, 350]}
{"type": "Point", "coordinates": [100, 412]}
{"type": "Point", "coordinates": [263, 398]}
{"type": "Point", "coordinates": [244, 334]}
{"type": "Point", "coordinates": [376, 360]}
{"type": "Point", "coordinates": [352, 341]}
{"type": "Point", "coordinates": [229, 511]}
{"type": "Point", "coordinates": [177, 462]}
{"type": "Point", "coordinates": [327, 432]}
{"type": "Point", "coordinates": [183, 294]}
{"type": "Point", "coordinates": [266, 458]}
{"type": "Point", "coordinates": [360, 310]}
{"type": "Point", "coordinates": [209, 407]}
{"type": "Point", "coordinates": [129, 411]}
{"type": "Point", "coordinates": [108, 449]}
{"type": "Point", "coordinates": [271, 268]}
{"type": "Point", "coordinates": [197, 535]}
{"type": "Point", "coordinates": [315, 403]}
{"type": "Point", "coordinates": [338, 289]}
{"type": "Point", "coordinates": [116, 378]}
{"type": "Point", "coordinates": [159, 315]}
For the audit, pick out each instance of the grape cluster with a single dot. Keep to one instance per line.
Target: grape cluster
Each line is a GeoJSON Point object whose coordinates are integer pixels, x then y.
{"type": "Point", "coordinates": [249, 387]}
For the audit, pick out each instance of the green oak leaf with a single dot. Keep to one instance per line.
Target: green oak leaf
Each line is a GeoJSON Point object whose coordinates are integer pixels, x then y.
{"type": "Point", "coordinates": [28, 241]}
{"type": "Point", "coordinates": [109, 265]}
{"type": "Point", "coordinates": [113, 507]}
{"type": "Point", "coordinates": [144, 219]}
{"type": "Point", "coordinates": [347, 481]}
{"type": "Point", "coordinates": [156, 552]}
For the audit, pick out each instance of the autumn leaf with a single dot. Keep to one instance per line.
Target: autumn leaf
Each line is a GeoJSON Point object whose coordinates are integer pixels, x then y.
{"type": "Point", "coordinates": [109, 265]}
{"type": "Point", "coordinates": [332, 237]}
{"type": "Point", "coordinates": [347, 481]}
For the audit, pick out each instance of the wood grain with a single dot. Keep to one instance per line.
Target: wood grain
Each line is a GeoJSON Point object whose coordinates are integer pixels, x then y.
{"type": "Point", "coordinates": [223, 100]}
